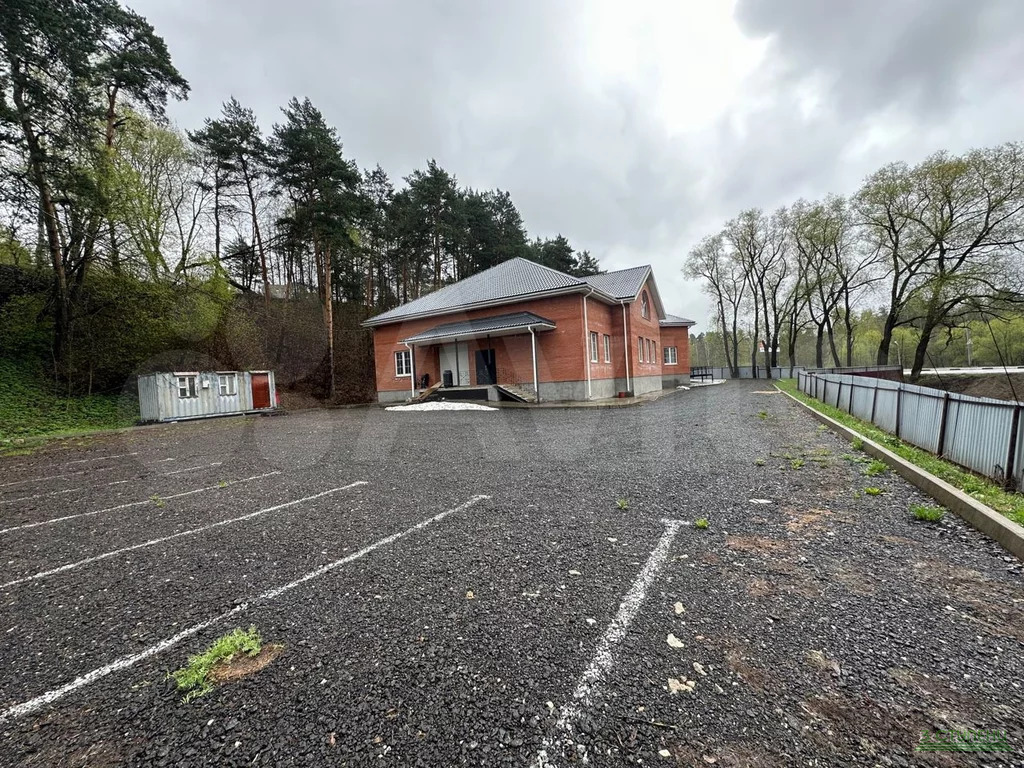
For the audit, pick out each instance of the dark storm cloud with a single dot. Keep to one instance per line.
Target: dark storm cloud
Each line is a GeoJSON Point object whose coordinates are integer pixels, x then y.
{"type": "Point", "coordinates": [503, 95]}
{"type": "Point", "coordinates": [918, 54]}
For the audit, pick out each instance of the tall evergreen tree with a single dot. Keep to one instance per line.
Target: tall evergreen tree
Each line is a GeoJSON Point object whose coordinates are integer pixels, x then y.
{"type": "Point", "coordinates": [321, 186]}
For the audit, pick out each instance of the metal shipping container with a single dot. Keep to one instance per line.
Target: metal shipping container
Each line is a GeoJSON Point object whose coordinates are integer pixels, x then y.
{"type": "Point", "coordinates": [200, 394]}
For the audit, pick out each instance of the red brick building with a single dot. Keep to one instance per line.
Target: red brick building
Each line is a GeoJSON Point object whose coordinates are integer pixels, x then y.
{"type": "Point", "coordinates": [532, 328]}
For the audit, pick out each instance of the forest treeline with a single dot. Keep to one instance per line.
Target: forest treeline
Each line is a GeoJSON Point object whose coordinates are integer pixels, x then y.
{"type": "Point", "coordinates": [123, 238]}
{"type": "Point", "coordinates": [920, 255]}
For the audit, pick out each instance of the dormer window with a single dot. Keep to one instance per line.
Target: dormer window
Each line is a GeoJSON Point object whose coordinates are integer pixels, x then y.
{"type": "Point", "coordinates": [645, 305]}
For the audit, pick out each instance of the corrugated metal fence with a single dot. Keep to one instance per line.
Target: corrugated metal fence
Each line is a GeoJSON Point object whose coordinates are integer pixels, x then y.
{"type": "Point", "coordinates": [979, 433]}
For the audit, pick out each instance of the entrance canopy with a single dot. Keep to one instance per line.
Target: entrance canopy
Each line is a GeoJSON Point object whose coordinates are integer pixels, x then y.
{"type": "Point", "coordinates": [499, 325]}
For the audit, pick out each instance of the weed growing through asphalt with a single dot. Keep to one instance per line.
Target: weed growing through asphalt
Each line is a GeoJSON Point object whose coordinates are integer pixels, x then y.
{"type": "Point", "coordinates": [872, 491]}
{"type": "Point", "coordinates": [701, 524]}
{"type": "Point", "coordinates": [796, 463]}
{"type": "Point", "coordinates": [194, 678]}
{"type": "Point", "coordinates": [857, 444]}
{"type": "Point", "coordinates": [222, 484]}
{"type": "Point", "coordinates": [622, 503]}
{"type": "Point", "coordinates": [762, 415]}
{"type": "Point", "coordinates": [759, 462]}
{"type": "Point", "coordinates": [927, 514]}
{"type": "Point", "coordinates": [876, 467]}
{"type": "Point", "coordinates": [156, 500]}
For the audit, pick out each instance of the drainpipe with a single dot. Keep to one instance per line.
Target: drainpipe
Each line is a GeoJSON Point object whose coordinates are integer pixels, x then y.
{"type": "Point", "coordinates": [533, 350]}
{"type": "Point", "coordinates": [412, 369]}
{"type": "Point", "coordinates": [586, 340]}
{"type": "Point", "coordinates": [625, 341]}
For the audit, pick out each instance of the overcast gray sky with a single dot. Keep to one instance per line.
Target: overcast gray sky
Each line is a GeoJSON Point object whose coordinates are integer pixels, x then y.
{"type": "Point", "coordinates": [631, 128]}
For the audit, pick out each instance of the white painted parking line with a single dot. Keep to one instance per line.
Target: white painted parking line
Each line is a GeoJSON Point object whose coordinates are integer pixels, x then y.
{"type": "Point", "coordinates": [39, 495]}
{"type": "Point", "coordinates": [125, 662]}
{"type": "Point", "coordinates": [101, 458]}
{"type": "Point", "coordinates": [192, 469]}
{"type": "Point", "coordinates": [602, 660]}
{"type": "Point", "coordinates": [217, 487]}
{"type": "Point", "coordinates": [55, 477]}
{"type": "Point", "coordinates": [178, 535]}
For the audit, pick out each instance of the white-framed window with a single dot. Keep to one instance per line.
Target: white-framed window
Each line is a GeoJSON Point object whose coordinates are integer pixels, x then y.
{"type": "Point", "coordinates": [227, 384]}
{"type": "Point", "coordinates": [671, 355]}
{"type": "Point", "coordinates": [650, 357]}
{"type": "Point", "coordinates": [593, 346]}
{"type": "Point", "coordinates": [186, 386]}
{"type": "Point", "coordinates": [654, 351]}
{"type": "Point", "coordinates": [640, 348]}
{"type": "Point", "coordinates": [403, 363]}
{"type": "Point", "coordinates": [607, 348]}
{"type": "Point", "coordinates": [645, 305]}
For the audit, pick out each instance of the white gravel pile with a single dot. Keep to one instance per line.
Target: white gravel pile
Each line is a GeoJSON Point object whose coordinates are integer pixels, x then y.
{"type": "Point", "coordinates": [442, 405]}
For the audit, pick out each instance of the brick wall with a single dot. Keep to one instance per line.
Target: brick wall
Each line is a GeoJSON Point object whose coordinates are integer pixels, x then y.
{"type": "Point", "coordinates": [678, 337]}
{"type": "Point", "coordinates": [560, 353]}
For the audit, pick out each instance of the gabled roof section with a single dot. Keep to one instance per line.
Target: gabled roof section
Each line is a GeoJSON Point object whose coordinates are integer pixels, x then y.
{"type": "Point", "coordinates": [622, 284]}
{"type": "Point", "coordinates": [513, 279]}
{"type": "Point", "coordinates": [497, 325]}
{"type": "Point", "coordinates": [677, 320]}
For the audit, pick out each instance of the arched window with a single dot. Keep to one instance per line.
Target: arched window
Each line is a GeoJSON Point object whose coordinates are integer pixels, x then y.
{"type": "Point", "coordinates": [645, 305]}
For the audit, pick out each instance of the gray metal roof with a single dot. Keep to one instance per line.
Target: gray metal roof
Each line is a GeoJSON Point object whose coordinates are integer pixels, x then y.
{"type": "Point", "coordinates": [470, 328]}
{"type": "Point", "coordinates": [511, 279]}
{"type": "Point", "coordinates": [623, 284]}
{"type": "Point", "coordinates": [676, 320]}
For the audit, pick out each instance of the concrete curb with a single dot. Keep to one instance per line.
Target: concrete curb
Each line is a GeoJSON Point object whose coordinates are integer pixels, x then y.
{"type": "Point", "coordinates": [994, 525]}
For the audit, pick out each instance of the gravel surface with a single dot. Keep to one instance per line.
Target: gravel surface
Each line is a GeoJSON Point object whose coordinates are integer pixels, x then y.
{"type": "Point", "coordinates": [824, 627]}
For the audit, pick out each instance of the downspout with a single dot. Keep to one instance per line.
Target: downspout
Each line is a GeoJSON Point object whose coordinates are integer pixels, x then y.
{"type": "Point", "coordinates": [533, 350]}
{"type": "Point", "coordinates": [625, 342]}
{"type": "Point", "coordinates": [412, 369]}
{"type": "Point", "coordinates": [586, 341]}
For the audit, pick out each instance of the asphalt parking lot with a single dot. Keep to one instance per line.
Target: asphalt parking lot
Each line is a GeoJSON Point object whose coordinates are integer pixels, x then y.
{"type": "Point", "coordinates": [462, 588]}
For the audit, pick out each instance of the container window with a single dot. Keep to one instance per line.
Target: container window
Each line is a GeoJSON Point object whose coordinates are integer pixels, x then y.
{"type": "Point", "coordinates": [186, 387]}
{"type": "Point", "coordinates": [670, 355]}
{"type": "Point", "coordinates": [593, 346]}
{"type": "Point", "coordinates": [607, 348]}
{"type": "Point", "coordinates": [227, 384]}
{"type": "Point", "coordinates": [645, 305]}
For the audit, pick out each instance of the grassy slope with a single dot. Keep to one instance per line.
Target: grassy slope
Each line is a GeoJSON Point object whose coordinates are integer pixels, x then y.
{"type": "Point", "coordinates": [1009, 504]}
{"type": "Point", "coordinates": [29, 407]}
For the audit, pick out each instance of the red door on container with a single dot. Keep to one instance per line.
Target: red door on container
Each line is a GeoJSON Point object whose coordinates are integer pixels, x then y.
{"type": "Point", "coordinates": [260, 390]}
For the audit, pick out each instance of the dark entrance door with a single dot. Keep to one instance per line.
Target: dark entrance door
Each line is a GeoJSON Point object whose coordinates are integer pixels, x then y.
{"type": "Point", "coordinates": [260, 390]}
{"type": "Point", "coordinates": [486, 371]}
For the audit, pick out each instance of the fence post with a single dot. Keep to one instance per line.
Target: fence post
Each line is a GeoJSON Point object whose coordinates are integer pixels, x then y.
{"type": "Point", "coordinates": [874, 401]}
{"type": "Point", "coordinates": [839, 396]}
{"type": "Point", "coordinates": [899, 407]}
{"type": "Point", "coordinates": [1011, 452]}
{"type": "Point", "coordinates": [940, 450]}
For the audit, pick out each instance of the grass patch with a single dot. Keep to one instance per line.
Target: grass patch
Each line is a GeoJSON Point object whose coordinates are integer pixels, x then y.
{"type": "Point", "coordinates": [927, 514]}
{"type": "Point", "coordinates": [30, 407]}
{"type": "Point", "coordinates": [701, 524]}
{"type": "Point", "coordinates": [762, 415]}
{"type": "Point", "coordinates": [796, 463]}
{"type": "Point", "coordinates": [1009, 504]}
{"type": "Point", "coordinates": [857, 444]}
{"type": "Point", "coordinates": [758, 462]}
{"type": "Point", "coordinates": [194, 678]}
{"type": "Point", "coordinates": [622, 503]}
{"type": "Point", "coordinates": [872, 491]}
{"type": "Point", "coordinates": [876, 467]}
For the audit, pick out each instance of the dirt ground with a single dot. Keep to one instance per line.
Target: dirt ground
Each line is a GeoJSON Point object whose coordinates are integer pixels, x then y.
{"type": "Point", "coordinates": [999, 386]}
